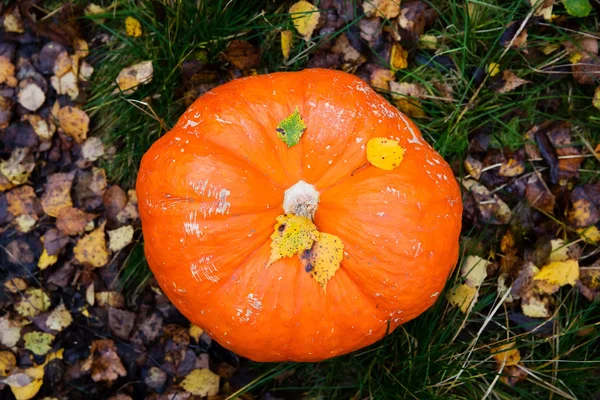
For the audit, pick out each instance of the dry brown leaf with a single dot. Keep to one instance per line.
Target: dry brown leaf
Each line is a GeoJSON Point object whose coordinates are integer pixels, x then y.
{"type": "Point", "coordinates": [492, 209]}
{"type": "Point", "coordinates": [538, 195]}
{"type": "Point", "coordinates": [242, 54]}
{"type": "Point", "coordinates": [473, 167]}
{"type": "Point", "coordinates": [72, 221]}
{"type": "Point", "coordinates": [589, 283]}
{"type": "Point", "coordinates": [131, 77]}
{"type": "Point", "coordinates": [91, 249]}
{"type": "Point", "coordinates": [587, 70]}
{"type": "Point", "coordinates": [349, 54]}
{"type": "Point", "coordinates": [7, 72]}
{"type": "Point", "coordinates": [130, 212]}
{"type": "Point", "coordinates": [382, 8]}
{"type": "Point", "coordinates": [105, 362]}
{"type": "Point", "coordinates": [74, 122]}
{"type": "Point", "coordinates": [57, 193]}
{"type": "Point", "coordinates": [511, 82]}
{"type": "Point", "coordinates": [370, 28]}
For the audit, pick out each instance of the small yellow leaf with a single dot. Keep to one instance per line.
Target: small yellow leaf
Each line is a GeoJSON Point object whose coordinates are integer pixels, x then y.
{"type": "Point", "coordinates": [46, 260]}
{"type": "Point", "coordinates": [535, 307]}
{"type": "Point", "coordinates": [384, 153]}
{"type": "Point", "coordinates": [195, 332]}
{"type": "Point", "coordinates": [464, 297]}
{"type": "Point", "coordinates": [323, 259]}
{"type": "Point", "coordinates": [493, 69]}
{"type": "Point", "coordinates": [305, 17]}
{"type": "Point", "coordinates": [59, 319]}
{"type": "Point", "coordinates": [133, 27]}
{"type": "Point", "coordinates": [15, 285]}
{"type": "Point", "coordinates": [57, 194]}
{"type": "Point", "coordinates": [506, 354]}
{"type": "Point", "coordinates": [38, 342]}
{"type": "Point", "coordinates": [398, 57]}
{"type": "Point", "coordinates": [286, 43]}
{"type": "Point", "coordinates": [382, 8]}
{"type": "Point", "coordinates": [292, 234]}
{"type": "Point", "coordinates": [91, 249]}
{"type": "Point", "coordinates": [201, 382]}
{"type": "Point", "coordinates": [576, 57]}
{"type": "Point", "coordinates": [559, 273]}
{"type": "Point", "coordinates": [8, 362]}
{"type": "Point", "coordinates": [590, 234]}
{"type": "Point", "coordinates": [33, 303]}
{"type": "Point", "coordinates": [428, 42]}
{"type": "Point", "coordinates": [550, 48]}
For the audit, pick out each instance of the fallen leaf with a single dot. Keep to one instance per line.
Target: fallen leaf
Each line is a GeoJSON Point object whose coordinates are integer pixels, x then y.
{"type": "Point", "coordinates": [560, 251]}
{"type": "Point", "coordinates": [305, 18]}
{"type": "Point", "coordinates": [370, 29]}
{"type": "Point", "coordinates": [34, 302]}
{"type": "Point", "coordinates": [92, 149]}
{"type": "Point", "coordinates": [587, 70]}
{"type": "Point", "coordinates": [493, 69]}
{"type": "Point", "coordinates": [381, 77]}
{"type": "Point", "coordinates": [133, 27]}
{"type": "Point", "coordinates": [559, 273]}
{"type": "Point", "coordinates": [242, 54]}
{"type": "Point", "coordinates": [22, 201]}
{"type": "Point", "coordinates": [492, 209]}
{"type": "Point", "coordinates": [291, 128]}
{"type": "Point", "coordinates": [292, 235]}
{"type": "Point", "coordinates": [535, 306]}
{"type": "Point", "coordinates": [28, 391]}
{"type": "Point", "coordinates": [110, 299]}
{"type": "Point", "coordinates": [427, 42]}
{"type": "Point", "coordinates": [582, 212]}
{"type": "Point", "coordinates": [62, 64]}
{"type": "Point", "coordinates": [19, 166]}
{"type": "Point", "coordinates": [588, 285]}
{"type": "Point", "coordinates": [201, 382]}
{"type": "Point", "coordinates": [57, 193]}
{"type": "Point", "coordinates": [75, 122]}
{"type": "Point", "coordinates": [120, 322]}
{"type": "Point", "coordinates": [511, 168]}
{"type": "Point", "coordinates": [106, 364]}
{"type": "Point", "coordinates": [42, 128]}
{"type": "Point", "coordinates": [398, 56]}
{"type": "Point", "coordinates": [542, 8]}
{"type": "Point", "coordinates": [54, 241]}
{"type": "Point", "coordinates": [8, 362]}
{"type": "Point", "coordinates": [511, 82]}
{"type": "Point", "coordinates": [131, 77]}
{"type": "Point", "coordinates": [120, 238]}
{"type": "Point", "coordinates": [382, 8]}
{"type": "Point", "coordinates": [596, 99]}
{"type": "Point", "coordinates": [91, 249]}
{"type": "Point", "coordinates": [464, 297]}
{"type": "Point", "coordinates": [46, 260]}
{"type": "Point", "coordinates": [473, 167]}
{"type": "Point", "coordinates": [344, 48]}
{"type": "Point", "coordinates": [72, 221]}
{"type": "Point", "coordinates": [155, 378]}
{"type": "Point", "coordinates": [59, 318]}
{"type": "Point", "coordinates": [506, 355]}
{"type": "Point", "coordinates": [195, 332]}
{"type": "Point", "coordinates": [31, 96]}
{"type": "Point", "coordinates": [578, 8]}
{"type": "Point", "coordinates": [7, 72]}
{"type": "Point", "coordinates": [384, 153]}
{"type": "Point", "coordinates": [286, 43]}
{"type": "Point", "coordinates": [474, 270]}
{"type": "Point", "coordinates": [15, 285]}
{"type": "Point", "coordinates": [550, 48]}
{"type": "Point", "coordinates": [10, 330]}
{"type": "Point", "coordinates": [538, 195]}
{"type": "Point", "coordinates": [323, 259]}
{"type": "Point", "coordinates": [38, 343]}
{"type": "Point", "coordinates": [591, 234]}
{"type": "Point", "coordinates": [66, 84]}
{"type": "Point", "coordinates": [13, 21]}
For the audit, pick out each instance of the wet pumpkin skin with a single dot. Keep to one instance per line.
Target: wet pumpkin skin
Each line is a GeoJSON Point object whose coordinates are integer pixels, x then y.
{"type": "Point", "coordinates": [210, 190]}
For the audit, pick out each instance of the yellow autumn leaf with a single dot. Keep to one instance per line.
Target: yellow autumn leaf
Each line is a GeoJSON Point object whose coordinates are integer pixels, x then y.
{"type": "Point", "coordinates": [384, 153]}
{"type": "Point", "coordinates": [493, 69]}
{"type": "Point", "coordinates": [506, 354]}
{"type": "Point", "coordinates": [286, 43]}
{"type": "Point", "coordinates": [8, 362]}
{"type": "Point", "coordinates": [38, 342]}
{"type": "Point", "coordinates": [59, 319]}
{"type": "Point", "coordinates": [75, 122]}
{"type": "Point", "coordinates": [474, 270]}
{"type": "Point", "coordinates": [195, 332]}
{"type": "Point", "coordinates": [323, 259]}
{"type": "Point", "coordinates": [428, 42]}
{"type": "Point", "coordinates": [576, 57]}
{"type": "Point", "coordinates": [33, 303]}
{"type": "Point", "coordinates": [382, 8]}
{"type": "Point", "coordinates": [560, 251]}
{"type": "Point", "coordinates": [28, 391]}
{"type": "Point", "coordinates": [596, 98]}
{"type": "Point", "coordinates": [292, 234]}
{"type": "Point", "coordinates": [398, 57]}
{"type": "Point", "coordinates": [201, 382]}
{"type": "Point", "coordinates": [46, 260]}
{"type": "Point", "coordinates": [57, 194]}
{"type": "Point", "coordinates": [133, 27]}
{"type": "Point", "coordinates": [305, 17]}
{"type": "Point", "coordinates": [591, 234]}
{"type": "Point", "coordinates": [464, 297]}
{"type": "Point", "coordinates": [91, 249]}
{"type": "Point", "coordinates": [559, 273]}
{"type": "Point", "coordinates": [550, 48]}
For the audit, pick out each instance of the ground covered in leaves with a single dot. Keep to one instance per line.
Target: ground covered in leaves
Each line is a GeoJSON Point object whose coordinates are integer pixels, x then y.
{"type": "Point", "coordinates": [509, 94]}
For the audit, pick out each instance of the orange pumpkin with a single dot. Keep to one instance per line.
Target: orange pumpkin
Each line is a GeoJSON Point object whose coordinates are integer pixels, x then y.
{"type": "Point", "coordinates": [212, 190]}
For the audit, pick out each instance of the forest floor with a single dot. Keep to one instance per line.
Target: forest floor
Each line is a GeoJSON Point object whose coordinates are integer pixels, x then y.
{"type": "Point", "coordinates": [507, 92]}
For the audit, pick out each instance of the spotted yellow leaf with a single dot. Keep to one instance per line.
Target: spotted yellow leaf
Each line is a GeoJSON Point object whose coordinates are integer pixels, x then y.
{"type": "Point", "coordinates": [201, 382]}
{"type": "Point", "coordinates": [38, 342]}
{"type": "Point", "coordinates": [506, 354]}
{"type": "Point", "coordinates": [33, 303]}
{"type": "Point", "coordinates": [59, 319]}
{"type": "Point", "coordinates": [8, 362]}
{"type": "Point", "coordinates": [464, 297]}
{"type": "Point", "coordinates": [559, 273]}
{"type": "Point", "coordinates": [384, 153]}
{"type": "Point", "coordinates": [305, 17]}
{"type": "Point", "coordinates": [286, 43]}
{"type": "Point", "coordinates": [323, 259]}
{"type": "Point", "coordinates": [133, 27]}
{"type": "Point", "coordinates": [292, 234]}
{"type": "Point", "coordinates": [91, 249]}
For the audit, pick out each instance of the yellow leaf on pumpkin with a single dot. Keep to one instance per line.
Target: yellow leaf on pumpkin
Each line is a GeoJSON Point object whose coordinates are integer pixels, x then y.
{"type": "Point", "coordinates": [292, 234]}
{"type": "Point", "coordinates": [323, 259]}
{"type": "Point", "coordinates": [384, 153]}
{"type": "Point", "coordinates": [305, 17]}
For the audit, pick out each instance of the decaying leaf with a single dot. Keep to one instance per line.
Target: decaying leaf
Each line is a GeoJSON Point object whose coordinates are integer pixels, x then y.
{"type": "Point", "coordinates": [195, 332]}
{"type": "Point", "coordinates": [131, 77]}
{"type": "Point", "coordinates": [120, 238]}
{"type": "Point", "coordinates": [506, 354]}
{"type": "Point", "coordinates": [305, 17]}
{"type": "Point", "coordinates": [538, 195]}
{"type": "Point", "coordinates": [13, 21]}
{"type": "Point", "coordinates": [31, 96]}
{"type": "Point", "coordinates": [323, 259]}
{"type": "Point", "coordinates": [75, 122]}
{"type": "Point", "coordinates": [474, 270]}
{"type": "Point", "coordinates": [72, 221]}
{"type": "Point", "coordinates": [535, 306]}
{"type": "Point", "coordinates": [15, 285]}
{"type": "Point", "coordinates": [38, 343]}
{"type": "Point", "coordinates": [591, 234]}
{"type": "Point", "coordinates": [512, 167]}
{"type": "Point", "coordinates": [42, 128]}
{"type": "Point", "coordinates": [109, 299]}
{"type": "Point", "coordinates": [382, 8]}
{"type": "Point", "coordinates": [384, 153]}
{"type": "Point", "coordinates": [427, 42]}
{"type": "Point", "coordinates": [344, 48]}
{"type": "Point", "coordinates": [242, 54]}
{"type": "Point", "coordinates": [59, 318]}
{"type": "Point", "coordinates": [105, 362]}
{"type": "Point", "coordinates": [291, 128]}
{"type": "Point", "coordinates": [492, 209]}
{"type": "Point", "coordinates": [57, 194]}
{"type": "Point", "coordinates": [292, 235]}
{"type": "Point", "coordinates": [464, 297]}
{"type": "Point", "coordinates": [18, 167]}
{"type": "Point", "coordinates": [201, 382]}
{"type": "Point", "coordinates": [66, 84]}
{"type": "Point", "coordinates": [473, 167]}
{"type": "Point", "coordinates": [91, 249]}
{"type": "Point", "coordinates": [34, 302]}
{"type": "Point", "coordinates": [10, 330]}
{"type": "Point", "coordinates": [588, 285]}
{"type": "Point", "coordinates": [8, 362]}
{"type": "Point", "coordinates": [7, 72]}
{"type": "Point", "coordinates": [582, 212]}
{"type": "Point", "coordinates": [133, 27]}
{"type": "Point", "coordinates": [406, 97]}
{"type": "Point", "coordinates": [22, 201]}
{"type": "Point", "coordinates": [381, 77]}
{"type": "Point", "coordinates": [510, 82]}
{"type": "Point", "coordinates": [398, 57]}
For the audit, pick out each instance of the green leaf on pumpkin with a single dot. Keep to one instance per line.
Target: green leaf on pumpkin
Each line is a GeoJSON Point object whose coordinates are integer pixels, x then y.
{"type": "Point", "coordinates": [291, 128]}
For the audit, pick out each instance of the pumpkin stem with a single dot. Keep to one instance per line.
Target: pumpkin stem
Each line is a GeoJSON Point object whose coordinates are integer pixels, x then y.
{"type": "Point", "coordinates": [301, 199]}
